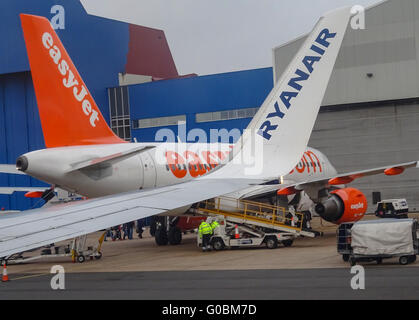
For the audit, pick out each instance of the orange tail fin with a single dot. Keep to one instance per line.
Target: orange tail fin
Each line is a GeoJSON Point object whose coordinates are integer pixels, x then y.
{"type": "Point", "coordinates": [69, 115]}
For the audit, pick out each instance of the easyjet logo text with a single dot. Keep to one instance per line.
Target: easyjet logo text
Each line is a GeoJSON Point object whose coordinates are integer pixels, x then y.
{"type": "Point", "coordinates": [69, 80]}
{"type": "Point", "coordinates": [190, 162]}
{"type": "Point", "coordinates": [309, 162]}
{"type": "Point", "coordinates": [357, 206]}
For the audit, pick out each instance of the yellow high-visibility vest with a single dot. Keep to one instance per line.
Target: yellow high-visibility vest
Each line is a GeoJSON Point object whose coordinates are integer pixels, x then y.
{"type": "Point", "coordinates": [214, 225]}
{"type": "Point", "coordinates": [204, 228]}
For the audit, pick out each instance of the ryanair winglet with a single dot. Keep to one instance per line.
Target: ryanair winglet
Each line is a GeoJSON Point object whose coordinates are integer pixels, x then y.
{"type": "Point", "coordinates": [69, 115]}
{"type": "Point", "coordinates": [286, 118]}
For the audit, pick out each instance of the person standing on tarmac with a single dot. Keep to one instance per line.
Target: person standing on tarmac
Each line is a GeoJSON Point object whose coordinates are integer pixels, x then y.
{"type": "Point", "coordinates": [140, 225]}
{"type": "Point", "coordinates": [205, 232]}
{"type": "Point", "coordinates": [130, 229]}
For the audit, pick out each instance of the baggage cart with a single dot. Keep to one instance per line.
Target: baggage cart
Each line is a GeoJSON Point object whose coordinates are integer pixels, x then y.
{"type": "Point", "coordinates": [375, 240]}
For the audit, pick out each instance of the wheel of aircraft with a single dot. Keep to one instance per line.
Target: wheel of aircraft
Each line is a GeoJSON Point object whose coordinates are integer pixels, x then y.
{"type": "Point", "coordinates": [175, 236]}
{"type": "Point", "coordinates": [160, 233]}
{"type": "Point", "coordinates": [161, 237]}
{"type": "Point", "coordinates": [152, 226]}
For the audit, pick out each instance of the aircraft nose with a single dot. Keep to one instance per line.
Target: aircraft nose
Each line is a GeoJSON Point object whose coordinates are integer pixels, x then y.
{"type": "Point", "coordinates": [22, 163]}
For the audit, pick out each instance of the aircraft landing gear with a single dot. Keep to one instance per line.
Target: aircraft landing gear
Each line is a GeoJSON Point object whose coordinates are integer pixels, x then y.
{"type": "Point", "coordinates": [167, 231]}
{"type": "Point", "coordinates": [175, 236]}
{"type": "Point", "coordinates": [153, 225]}
{"type": "Point", "coordinates": [160, 232]}
{"type": "Point", "coordinates": [161, 237]}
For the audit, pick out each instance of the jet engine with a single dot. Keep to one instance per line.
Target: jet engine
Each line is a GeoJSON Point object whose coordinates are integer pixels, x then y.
{"type": "Point", "coordinates": [343, 205]}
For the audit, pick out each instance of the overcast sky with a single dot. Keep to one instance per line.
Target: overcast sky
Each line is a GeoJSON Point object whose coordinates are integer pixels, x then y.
{"type": "Point", "coordinates": [216, 36]}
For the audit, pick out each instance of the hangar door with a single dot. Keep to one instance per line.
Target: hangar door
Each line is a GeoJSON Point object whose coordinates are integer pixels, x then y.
{"type": "Point", "coordinates": [119, 111]}
{"type": "Point", "coordinates": [20, 132]}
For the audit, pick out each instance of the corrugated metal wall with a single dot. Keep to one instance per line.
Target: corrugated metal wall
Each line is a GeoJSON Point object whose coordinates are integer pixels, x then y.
{"type": "Point", "coordinates": [371, 121]}
{"type": "Point", "coordinates": [234, 90]}
{"type": "Point", "coordinates": [20, 131]}
{"type": "Point", "coordinates": [353, 137]}
{"type": "Point", "coordinates": [363, 137]}
{"type": "Point", "coordinates": [387, 49]}
{"type": "Point", "coordinates": [98, 47]}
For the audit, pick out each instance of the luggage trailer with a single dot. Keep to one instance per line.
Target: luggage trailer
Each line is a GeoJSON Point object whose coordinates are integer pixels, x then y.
{"type": "Point", "coordinates": [353, 246]}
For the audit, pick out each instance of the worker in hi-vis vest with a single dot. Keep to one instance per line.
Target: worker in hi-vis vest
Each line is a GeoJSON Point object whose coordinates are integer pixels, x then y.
{"type": "Point", "coordinates": [214, 225]}
{"type": "Point", "coordinates": [205, 232]}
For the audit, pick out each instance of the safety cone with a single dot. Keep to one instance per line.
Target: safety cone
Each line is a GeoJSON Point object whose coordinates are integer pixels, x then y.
{"type": "Point", "coordinates": [236, 232]}
{"type": "Point", "coordinates": [5, 277]}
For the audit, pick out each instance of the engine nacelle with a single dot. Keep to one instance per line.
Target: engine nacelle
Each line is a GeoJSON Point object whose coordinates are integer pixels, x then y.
{"type": "Point", "coordinates": [344, 205]}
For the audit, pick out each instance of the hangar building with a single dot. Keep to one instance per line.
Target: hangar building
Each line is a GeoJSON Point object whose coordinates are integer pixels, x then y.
{"type": "Point", "coordinates": [107, 53]}
{"type": "Point", "coordinates": [370, 114]}
{"type": "Point", "coordinates": [368, 118]}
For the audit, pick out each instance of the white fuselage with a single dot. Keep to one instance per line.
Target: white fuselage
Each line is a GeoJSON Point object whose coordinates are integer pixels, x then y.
{"type": "Point", "coordinates": [165, 164]}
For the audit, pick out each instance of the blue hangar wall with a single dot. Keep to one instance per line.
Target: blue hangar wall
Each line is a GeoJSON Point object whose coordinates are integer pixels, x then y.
{"type": "Point", "coordinates": [20, 129]}
{"type": "Point", "coordinates": [189, 96]}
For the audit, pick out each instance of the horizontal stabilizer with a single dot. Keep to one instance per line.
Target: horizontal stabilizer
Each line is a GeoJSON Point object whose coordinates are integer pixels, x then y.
{"type": "Point", "coordinates": [11, 190]}
{"type": "Point", "coordinates": [10, 169]}
{"type": "Point", "coordinates": [108, 159]}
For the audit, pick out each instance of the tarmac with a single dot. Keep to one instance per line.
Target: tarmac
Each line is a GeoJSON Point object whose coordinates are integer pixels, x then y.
{"type": "Point", "coordinates": [139, 269]}
{"type": "Point", "coordinates": [145, 255]}
{"type": "Point", "coordinates": [384, 282]}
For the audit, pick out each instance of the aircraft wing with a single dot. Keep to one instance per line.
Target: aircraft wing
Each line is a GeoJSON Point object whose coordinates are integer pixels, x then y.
{"type": "Point", "coordinates": [349, 177]}
{"type": "Point", "coordinates": [36, 228]}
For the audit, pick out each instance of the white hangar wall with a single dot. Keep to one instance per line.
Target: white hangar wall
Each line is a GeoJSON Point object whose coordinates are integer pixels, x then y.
{"type": "Point", "coordinates": [370, 113]}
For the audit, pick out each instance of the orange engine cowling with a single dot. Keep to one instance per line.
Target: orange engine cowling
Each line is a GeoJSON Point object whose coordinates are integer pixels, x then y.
{"type": "Point", "coordinates": [344, 205]}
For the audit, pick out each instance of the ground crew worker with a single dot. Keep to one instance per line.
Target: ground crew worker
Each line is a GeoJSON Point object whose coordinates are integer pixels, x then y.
{"type": "Point", "coordinates": [205, 232]}
{"type": "Point", "coordinates": [140, 225]}
{"type": "Point", "coordinates": [307, 219]}
{"type": "Point", "coordinates": [214, 225]}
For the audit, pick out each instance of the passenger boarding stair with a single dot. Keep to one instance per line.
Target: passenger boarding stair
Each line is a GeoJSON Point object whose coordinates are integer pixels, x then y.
{"type": "Point", "coordinates": [257, 214]}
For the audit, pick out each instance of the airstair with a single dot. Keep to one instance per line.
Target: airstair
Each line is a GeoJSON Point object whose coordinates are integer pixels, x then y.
{"type": "Point", "coordinates": [257, 214]}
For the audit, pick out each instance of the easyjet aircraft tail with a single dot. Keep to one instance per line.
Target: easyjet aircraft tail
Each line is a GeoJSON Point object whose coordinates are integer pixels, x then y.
{"type": "Point", "coordinates": [69, 115]}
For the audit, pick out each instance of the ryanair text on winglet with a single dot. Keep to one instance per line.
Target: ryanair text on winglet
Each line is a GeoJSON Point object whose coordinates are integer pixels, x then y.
{"type": "Point", "coordinates": [322, 41]}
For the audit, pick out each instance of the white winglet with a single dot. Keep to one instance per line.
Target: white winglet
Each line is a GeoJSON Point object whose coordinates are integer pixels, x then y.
{"type": "Point", "coordinates": [284, 123]}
